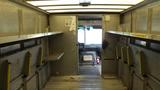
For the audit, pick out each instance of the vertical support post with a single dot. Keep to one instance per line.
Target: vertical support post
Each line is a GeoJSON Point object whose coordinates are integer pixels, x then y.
{"type": "Point", "coordinates": [20, 21]}
{"type": "Point", "coordinates": [142, 63]}
{"type": "Point", "coordinates": [5, 72]}
{"type": "Point", "coordinates": [40, 59]}
{"type": "Point", "coordinates": [123, 54]}
{"type": "Point", "coordinates": [27, 62]}
{"type": "Point", "coordinates": [117, 55]}
{"type": "Point", "coordinates": [129, 58]}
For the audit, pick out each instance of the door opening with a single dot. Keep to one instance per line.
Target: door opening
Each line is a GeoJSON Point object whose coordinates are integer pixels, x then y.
{"type": "Point", "coordinates": [90, 42]}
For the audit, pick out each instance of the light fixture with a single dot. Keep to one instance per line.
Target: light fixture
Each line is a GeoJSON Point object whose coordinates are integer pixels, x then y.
{"type": "Point", "coordinates": [53, 2]}
{"type": "Point", "coordinates": [85, 3]}
{"type": "Point", "coordinates": [76, 2]}
{"type": "Point", "coordinates": [118, 2]}
{"type": "Point", "coordinates": [58, 6]}
{"type": "Point", "coordinates": [83, 10]}
{"type": "Point", "coordinates": [80, 7]}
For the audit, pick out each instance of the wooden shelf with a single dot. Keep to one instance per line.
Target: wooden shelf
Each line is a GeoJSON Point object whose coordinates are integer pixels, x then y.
{"type": "Point", "coordinates": [17, 38]}
{"type": "Point", "coordinates": [150, 37]}
{"type": "Point", "coordinates": [147, 41]}
{"type": "Point", "coordinates": [55, 57]}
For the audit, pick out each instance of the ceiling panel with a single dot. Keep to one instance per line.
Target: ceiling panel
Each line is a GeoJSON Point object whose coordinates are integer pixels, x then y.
{"type": "Point", "coordinates": [84, 10]}
{"type": "Point", "coordinates": [81, 7]}
{"type": "Point", "coordinates": [55, 6]}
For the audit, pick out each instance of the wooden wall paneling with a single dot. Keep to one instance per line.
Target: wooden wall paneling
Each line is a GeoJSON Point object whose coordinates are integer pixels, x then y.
{"type": "Point", "coordinates": [131, 27]}
{"type": "Point", "coordinates": [16, 84]}
{"type": "Point", "coordinates": [127, 22]}
{"type": "Point", "coordinates": [40, 23]}
{"type": "Point", "coordinates": [37, 18]}
{"type": "Point", "coordinates": [45, 47]}
{"type": "Point", "coordinates": [8, 19]}
{"type": "Point", "coordinates": [43, 76]}
{"type": "Point", "coordinates": [44, 23]}
{"type": "Point", "coordinates": [112, 22]}
{"type": "Point", "coordinates": [32, 83]}
{"type": "Point", "coordinates": [155, 27]}
{"type": "Point", "coordinates": [153, 84]}
{"type": "Point", "coordinates": [134, 21]}
{"type": "Point", "coordinates": [16, 19]}
{"type": "Point", "coordinates": [65, 43]}
{"type": "Point", "coordinates": [29, 22]}
{"type": "Point", "coordinates": [20, 21]}
{"type": "Point", "coordinates": [17, 61]}
{"type": "Point", "coordinates": [149, 22]}
{"type": "Point", "coordinates": [137, 83]}
{"type": "Point", "coordinates": [141, 20]}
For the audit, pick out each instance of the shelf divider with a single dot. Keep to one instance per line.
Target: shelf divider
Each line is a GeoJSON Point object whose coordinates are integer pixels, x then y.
{"type": "Point", "coordinates": [55, 57]}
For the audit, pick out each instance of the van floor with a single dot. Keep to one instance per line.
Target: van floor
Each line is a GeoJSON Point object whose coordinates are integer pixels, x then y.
{"type": "Point", "coordinates": [89, 69]}
{"type": "Point", "coordinates": [85, 81]}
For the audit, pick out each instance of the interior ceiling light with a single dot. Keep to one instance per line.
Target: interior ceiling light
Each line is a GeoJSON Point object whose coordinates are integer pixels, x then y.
{"type": "Point", "coordinates": [71, 2]}
{"type": "Point", "coordinates": [129, 2]}
{"type": "Point", "coordinates": [80, 7]}
{"type": "Point", "coordinates": [74, 5]}
{"type": "Point", "coordinates": [83, 10]}
{"type": "Point", "coordinates": [53, 2]}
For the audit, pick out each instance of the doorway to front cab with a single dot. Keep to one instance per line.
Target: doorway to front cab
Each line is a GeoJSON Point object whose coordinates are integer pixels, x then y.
{"type": "Point", "coordinates": [90, 42]}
